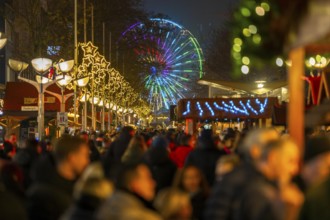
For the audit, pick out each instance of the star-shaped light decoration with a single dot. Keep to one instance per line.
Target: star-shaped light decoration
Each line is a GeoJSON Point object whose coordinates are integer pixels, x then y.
{"type": "Point", "coordinates": [116, 89]}
{"type": "Point", "coordinates": [86, 61]}
{"type": "Point", "coordinates": [113, 72]}
{"type": "Point", "coordinates": [100, 74]}
{"type": "Point", "coordinates": [97, 58]}
{"type": "Point", "coordinates": [88, 48]}
{"type": "Point", "coordinates": [105, 64]}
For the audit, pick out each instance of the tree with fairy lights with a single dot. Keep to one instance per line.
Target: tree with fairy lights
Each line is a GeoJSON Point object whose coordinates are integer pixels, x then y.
{"type": "Point", "coordinates": [260, 31]}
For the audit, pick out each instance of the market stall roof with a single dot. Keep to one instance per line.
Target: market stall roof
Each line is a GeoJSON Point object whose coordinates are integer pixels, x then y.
{"type": "Point", "coordinates": [21, 99]}
{"type": "Point", "coordinates": [242, 87]}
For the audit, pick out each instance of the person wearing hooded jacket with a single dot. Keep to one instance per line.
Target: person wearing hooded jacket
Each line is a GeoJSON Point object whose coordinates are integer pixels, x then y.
{"type": "Point", "coordinates": [162, 168]}
{"type": "Point", "coordinates": [26, 158]}
{"type": "Point", "coordinates": [205, 156]}
{"type": "Point", "coordinates": [54, 177]}
{"type": "Point", "coordinates": [112, 158]}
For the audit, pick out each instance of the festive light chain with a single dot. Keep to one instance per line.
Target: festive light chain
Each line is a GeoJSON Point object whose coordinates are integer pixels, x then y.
{"type": "Point", "coordinates": [230, 108]}
{"type": "Point", "coordinates": [188, 109]}
{"type": "Point", "coordinates": [209, 107]}
{"type": "Point", "coordinates": [244, 111]}
{"type": "Point", "coordinates": [220, 108]}
{"type": "Point", "coordinates": [243, 106]}
{"type": "Point", "coordinates": [116, 88]}
{"type": "Point", "coordinates": [262, 106]}
{"type": "Point", "coordinates": [200, 109]}
{"type": "Point", "coordinates": [251, 108]}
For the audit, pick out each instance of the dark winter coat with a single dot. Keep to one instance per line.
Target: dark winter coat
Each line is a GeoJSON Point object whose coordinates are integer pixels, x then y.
{"type": "Point", "coordinates": [112, 158]}
{"type": "Point", "coordinates": [162, 168]}
{"type": "Point", "coordinates": [94, 152]}
{"type": "Point", "coordinates": [317, 203]}
{"type": "Point", "coordinates": [11, 208]}
{"type": "Point", "coordinates": [50, 195]}
{"type": "Point", "coordinates": [13, 179]}
{"type": "Point", "coordinates": [198, 202]}
{"type": "Point", "coordinates": [244, 194]}
{"type": "Point", "coordinates": [85, 208]}
{"type": "Point", "coordinates": [25, 159]}
{"type": "Point", "coordinates": [205, 159]}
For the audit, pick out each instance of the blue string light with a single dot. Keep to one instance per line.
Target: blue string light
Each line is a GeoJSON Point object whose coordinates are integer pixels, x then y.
{"type": "Point", "coordinates": [209, 107]}
{"type": "Point", "coordinates": [250, 107]}
{"type": "Point", "coordinates": [220, 108]}
{"type": "Point", "coordinates": [230, 107]}
{"type": "Point", "coordinates": [262, 105]}
{"type": "Point", "coordinates": [200, 109]}
{"type": "Point", "coordinates": [243, 106]}
{"type": "Point", "coordinates": [188, 109]}
{"type": "Point", "coordinates": [243, 109]}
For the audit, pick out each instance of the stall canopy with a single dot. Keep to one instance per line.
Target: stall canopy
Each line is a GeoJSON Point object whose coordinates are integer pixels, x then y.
{"type": "Point", "coordinates": [244, 87]}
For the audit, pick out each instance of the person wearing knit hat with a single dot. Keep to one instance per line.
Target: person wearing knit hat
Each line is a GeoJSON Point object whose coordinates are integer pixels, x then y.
{"type": "Point", "coordinates": [316, 166]}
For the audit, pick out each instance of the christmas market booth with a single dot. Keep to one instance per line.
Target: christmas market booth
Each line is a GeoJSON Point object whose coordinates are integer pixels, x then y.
{"type": "Point", "coordinates": [227, 112]}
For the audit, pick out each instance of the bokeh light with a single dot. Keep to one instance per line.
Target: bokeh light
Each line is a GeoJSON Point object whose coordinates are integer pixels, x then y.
{"type": "Point", "coordinates": [279, 62]}
{"type": "Point", "coordinates": [245, 69]}
{"type": "Point", "coordinates": [260, 11]}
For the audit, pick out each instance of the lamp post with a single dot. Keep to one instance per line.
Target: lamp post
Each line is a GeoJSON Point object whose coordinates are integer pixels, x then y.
{"type": "Point", "coordinates": [101, 105]}
{"type": "Point", "coordinates": [108, 105]}
{"type": "Point", "coordinates": [82, 83]}
{"type": "Point", "coordinates": [41, 66]}
{"type": "Point", "coordinates": [75, 59]}
{"type": "Point", "coordinates": [94, 100]}
{"type": "Point", "coordinates": [62, 81]}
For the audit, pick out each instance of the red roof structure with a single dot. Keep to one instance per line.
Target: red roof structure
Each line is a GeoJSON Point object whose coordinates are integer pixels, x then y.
{"type": "Point", "coordinates": [22, 94]}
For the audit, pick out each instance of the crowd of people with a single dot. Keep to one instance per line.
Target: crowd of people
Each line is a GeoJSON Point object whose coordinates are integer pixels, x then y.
{"type": "Point", "coordinates": [152, 174]}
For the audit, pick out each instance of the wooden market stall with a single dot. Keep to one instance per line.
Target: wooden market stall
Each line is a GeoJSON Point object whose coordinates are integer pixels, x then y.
{"type": "Point", "coordinates": [225, 109]}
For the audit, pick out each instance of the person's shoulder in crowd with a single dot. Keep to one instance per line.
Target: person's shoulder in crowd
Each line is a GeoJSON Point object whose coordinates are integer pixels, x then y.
{"type": "Point", "coordinates": [11, 208]}
{"type": "Point", "coordinates": [316, 205]}
{"type": "Point", "coordinates": [123, 206]}
{"type": "Point", "coordinates": [225, 191]}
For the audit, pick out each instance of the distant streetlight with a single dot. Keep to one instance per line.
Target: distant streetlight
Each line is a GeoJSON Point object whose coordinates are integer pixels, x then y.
{"type": "Point", "coordinates": [260, 84]}
{"type": "Point", "coordinates": [17, 66]}
{"type": "Point", "coordinates": [3, 40]}
{"type": "Point", "coordinates": [41, 65]}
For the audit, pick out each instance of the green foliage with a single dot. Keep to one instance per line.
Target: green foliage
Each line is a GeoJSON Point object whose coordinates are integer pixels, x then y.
{"type": "Point", "coordinates": [40, 24]}
{"type": "Point", "coordinates": [255, 42]}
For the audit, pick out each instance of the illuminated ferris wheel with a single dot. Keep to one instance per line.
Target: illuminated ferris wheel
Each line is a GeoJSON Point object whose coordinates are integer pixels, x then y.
{"type": "Point", "coordinates": [170, 56]}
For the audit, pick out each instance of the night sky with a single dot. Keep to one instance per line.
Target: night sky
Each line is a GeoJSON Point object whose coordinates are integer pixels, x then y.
{"type": "Point", "coordinates": [198, 16]}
